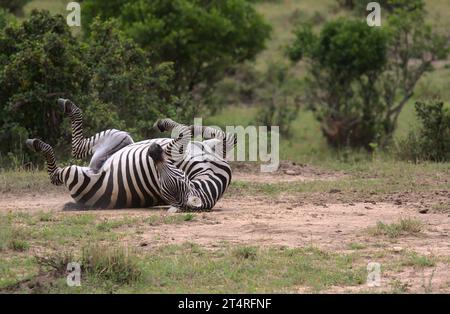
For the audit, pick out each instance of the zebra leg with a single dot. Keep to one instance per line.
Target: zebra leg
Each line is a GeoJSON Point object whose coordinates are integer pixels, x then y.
{"type": "Point", "coordinates": [80, 145]}
{"type": "Point", "coordinates": [54, 172]}
{"type": "Point", "coordinates": [228, 140]}
{"type": "Point", "coordinates": [101, 145]}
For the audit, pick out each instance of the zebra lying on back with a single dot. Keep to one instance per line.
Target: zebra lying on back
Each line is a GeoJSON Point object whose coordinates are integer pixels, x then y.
{"type": "Point", "coordinates": [188, 175]}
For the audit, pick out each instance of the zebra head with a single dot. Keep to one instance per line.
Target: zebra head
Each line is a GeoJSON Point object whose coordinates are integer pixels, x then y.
{"type": "Point", "coordinates": [176, 188]}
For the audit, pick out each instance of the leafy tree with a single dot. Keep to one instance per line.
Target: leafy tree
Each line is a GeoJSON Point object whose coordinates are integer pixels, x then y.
{"type": "Point", "coordinates": [360, 78]}
{"type": "Point", "coordinates": [123, 79]}
{"type": "Point", "coordinates": [389, 5]}
{"type": "Point", "coordinates": [346, 60]}
{"type": "Point", "coordinates": [5, 18]}
{"type": "Point", "coordinates": [202, 37]}
{"type": "Point", "coordinates": [14, 6]}
{"type": "Point", "coordinates": [39, 62]}
{"type": "Point", "coordinates": [108, 75]}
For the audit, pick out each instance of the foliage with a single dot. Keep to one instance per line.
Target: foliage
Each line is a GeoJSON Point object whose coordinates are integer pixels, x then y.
{"type": "Point", "coordinates": [108, 76]}
{"type": "Point", "coordinates": [432, 141]}
{"type": "Point", "coordinates": [122, 79]}
{"type": "Point", "coordinates": [360, 78]}
{"type": "Point", "coordinates": [14, 6]}
{"type": "Point", "coordinates": [39, 62]}
{"type": "Point", "coordinates": [388, 5]}
{"type": "Point", "coordinates": [202, 38]}
{"type": "Point", "coordinates": [346, 60]}
{"type": "Point", "coordinates": [278, 103]}
{"type": "Point", "coordinates": [5, 18]}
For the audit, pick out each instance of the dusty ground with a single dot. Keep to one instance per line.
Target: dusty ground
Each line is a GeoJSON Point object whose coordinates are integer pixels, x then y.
{"type": "Point", "coordinates": [323, 221]}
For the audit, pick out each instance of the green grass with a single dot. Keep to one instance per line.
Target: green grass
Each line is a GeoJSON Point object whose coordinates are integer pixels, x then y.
{"type": "Point", "coordinates": [108, 225]}
{"type": "Point", "coordinates": [372, 180]}
{"type": "Point", "coordinates": [189, 268]}
{"type": "Point", "coordinates": [416, 260]}
{"type": "Point", "coordinates": [154, 220]}
{"type": "Point", "coordinates": [357, 246]}
{"type": "Point", "coordinates": [116, 264]}
{"type": "Point", "coordinates": [405, 226]}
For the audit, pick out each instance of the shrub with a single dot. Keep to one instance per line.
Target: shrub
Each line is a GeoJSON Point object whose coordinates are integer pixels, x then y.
{"type": "Point", "coordinates": [118, 264]}
{"type": "Point", "coordinates": [107, 75]}
{"type": "Point", "coordinates": [346, 60]}
{"type": "Point", "coordinates": [202, 38]}
{"type": "Point", "coordinates": [432, 140]}
{"type": "Point", "coordinates": [278, 104]}
{"type": "Point", "coordinates": [14, 6]}
{"type": "Point", "coordinates": [360, 78]}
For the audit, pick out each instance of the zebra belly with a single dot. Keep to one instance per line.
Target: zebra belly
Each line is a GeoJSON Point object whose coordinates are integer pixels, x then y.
{"type": "Point", "coordinates": [127, 179]}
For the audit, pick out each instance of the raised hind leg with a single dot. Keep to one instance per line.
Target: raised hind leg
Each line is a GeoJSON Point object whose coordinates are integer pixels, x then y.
{"type": "Point", "coordinates": [67, 176]}
{"type": "Point", "coordinates": [55, 173]}
{"type": "Point", "coordinates": [101, 145]}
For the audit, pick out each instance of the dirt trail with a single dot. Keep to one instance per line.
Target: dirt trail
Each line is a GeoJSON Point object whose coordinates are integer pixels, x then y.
{"type": "Point", "coordinates": [261, 220]}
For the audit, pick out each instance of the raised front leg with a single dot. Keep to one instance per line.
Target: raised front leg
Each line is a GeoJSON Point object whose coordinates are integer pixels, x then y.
{"type": "Point", "coordinates": [228, 140]}
{"type": "Point", "coordinates": [102, 145]}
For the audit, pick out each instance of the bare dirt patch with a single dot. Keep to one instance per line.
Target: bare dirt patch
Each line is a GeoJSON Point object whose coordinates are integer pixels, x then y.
{"type": "Point", "coordinates": [287, 172]}
{"type": "Point", "coordinates": [321, 220]}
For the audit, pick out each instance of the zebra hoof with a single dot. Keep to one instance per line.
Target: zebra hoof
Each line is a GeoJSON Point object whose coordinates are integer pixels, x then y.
{"type": "Point", "coordinates": [63, 103]}
{"type": "Point", "coordinates": [159, 125]}
{"type": "Point", "coordinates": [30, 144]}
{"type": "Point", "coordinates": [173, 210]}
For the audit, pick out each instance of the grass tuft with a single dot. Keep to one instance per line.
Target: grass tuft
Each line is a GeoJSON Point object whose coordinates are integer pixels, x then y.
{"type": "Point", "coordinates": [117, 264]}
{"type": "Point", "coordinates": [245, 252]}
{"type": "Point", "coordinates": [405, 226]}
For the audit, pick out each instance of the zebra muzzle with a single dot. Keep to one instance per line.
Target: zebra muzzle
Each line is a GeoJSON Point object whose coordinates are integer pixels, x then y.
{"type": "Point", "coordinates": [194, 202]}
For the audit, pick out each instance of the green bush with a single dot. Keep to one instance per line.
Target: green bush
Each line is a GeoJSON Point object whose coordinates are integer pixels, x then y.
{"type": "Point", "coordinates": [432, 140]}
{"type": "Point", "coordinates": [201, 38]}
{"type": "Point", "coordinates": [356, 91]}
{"type": "Point", "coordinates": [277, 101]}
{"type": "Point", "coordinates": [346, 59]}
{"type": "Point", "coordinates": [14, 6]}
{"type": "Point", "coordinates": [39, 62]}
{"type": "Point", "coordinates": [388, 5]}
{"type": "Point", "coordinates": [107, 75]}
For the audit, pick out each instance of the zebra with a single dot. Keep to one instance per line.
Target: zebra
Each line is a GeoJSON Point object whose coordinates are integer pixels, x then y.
{"type": "Point", "coordinates": [186, 175]}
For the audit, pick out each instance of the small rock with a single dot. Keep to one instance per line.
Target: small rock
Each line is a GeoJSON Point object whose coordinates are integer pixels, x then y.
{"type": "Point", "coordinates": [289, 208]}
{"type": "Point", "coordinates": [143, 244]}
{"type": "Point", "coordinates": [367, 207]}
{"type": "Point", "coordinates": [334, 191]}
{"type": "Point", "coordinates": [397, 202]}
{"type": "Point", "coordinates": [291, 172]}
{"type": "Point", "coordinates": [423, 210]}
{"type": "Point", "coordinates": [397, 249]}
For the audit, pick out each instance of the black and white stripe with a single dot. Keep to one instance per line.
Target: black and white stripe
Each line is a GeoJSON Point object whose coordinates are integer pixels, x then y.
{"type": "Point", "coordinates": [185, 174]}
